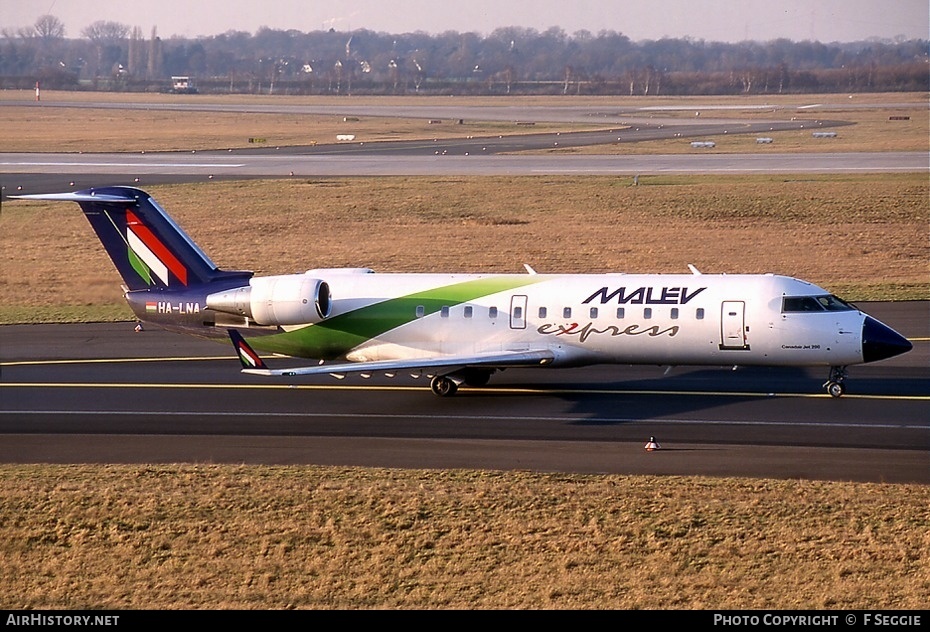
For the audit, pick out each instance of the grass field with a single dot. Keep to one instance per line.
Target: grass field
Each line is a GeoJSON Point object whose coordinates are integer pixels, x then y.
{"type": "Point", "coordinates": [83, 129]}
{"type": "Point", "coordinates": [208, 536]}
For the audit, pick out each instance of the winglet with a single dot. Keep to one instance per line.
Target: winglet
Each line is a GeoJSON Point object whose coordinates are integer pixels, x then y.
{"type": "Point", "coordinates": [247, 355]}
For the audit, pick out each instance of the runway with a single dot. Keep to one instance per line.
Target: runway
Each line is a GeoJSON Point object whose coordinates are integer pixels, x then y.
{"type": "Point", "coordinates": [101, 393]}
{"type": "Point", "coordinates": [104, 393]}
{"type": "Point", "coordinates": [28, 173]}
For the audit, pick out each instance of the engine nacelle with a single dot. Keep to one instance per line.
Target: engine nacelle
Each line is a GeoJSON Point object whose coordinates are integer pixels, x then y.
{"type": "Point", "coordinates": [290, 299]}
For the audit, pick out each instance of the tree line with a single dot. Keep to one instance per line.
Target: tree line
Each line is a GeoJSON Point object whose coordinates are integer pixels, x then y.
{"type": "Point", "coordinates": [512, 60]}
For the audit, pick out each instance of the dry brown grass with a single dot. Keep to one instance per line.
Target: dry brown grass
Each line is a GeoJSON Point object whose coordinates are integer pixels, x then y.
{"type": "Point", "coordinates": [304, 537]}
{"type": "Point", "coordinates": [864, 237]}
{"type": "Point", "coordinates": [74, 129]}
{"type": "Point", "coordinates": [89, 130]}
{"type": "Point", "coordinates": [873, 131]}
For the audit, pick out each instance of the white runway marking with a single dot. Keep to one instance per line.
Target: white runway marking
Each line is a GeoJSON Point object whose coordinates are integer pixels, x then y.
{"type": "Point", "coordinates": [495, 390]}
{"type": "Point", "coordinates": [496, 418]}
{"type": "Point", "coordinates": [185, 165]}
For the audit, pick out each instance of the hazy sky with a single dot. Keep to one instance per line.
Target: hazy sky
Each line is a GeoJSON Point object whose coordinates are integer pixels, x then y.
{"type": "Point", "coordinates": [710, 20]}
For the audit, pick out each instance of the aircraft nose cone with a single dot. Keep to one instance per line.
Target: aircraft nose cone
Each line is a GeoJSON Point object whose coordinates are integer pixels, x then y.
{"type": "Point", "coordinates": [880, 341]}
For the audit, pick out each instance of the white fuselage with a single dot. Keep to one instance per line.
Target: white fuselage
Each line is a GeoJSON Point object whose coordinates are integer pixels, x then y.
{"type": "Point", "coordinates": [589, 319]}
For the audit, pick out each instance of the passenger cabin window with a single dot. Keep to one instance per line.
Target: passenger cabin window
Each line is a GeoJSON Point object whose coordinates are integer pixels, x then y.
{"type": "Point", "coordinates": [518, 312]}
{"type": "Point", "coordinates": [567, 312]}
{"type": "Point", "coordinates": [542, 312]}
{"type": "Point", "coordinates": [647, 313]}
{"type": "Point", "coordinates": [621, 312]}
{"type": "Point", "coordinates": [593, 313]}
{"type": "Point", "coordinates": [674, 313]}
{"type": "Point", "coordinates": [468, 311]}
{"type": "Point", "coordinates": [699, 313]}
{"type": "Point", "coordinates": [420, 311]}
{"type": "Point", "coordinates": [492, 312]}
{"type": "Point", "coordinates": [444, 311]}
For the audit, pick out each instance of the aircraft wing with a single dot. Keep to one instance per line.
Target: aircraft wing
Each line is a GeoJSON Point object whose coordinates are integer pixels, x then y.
{"type": "Point", "coordinates": [254, 365]}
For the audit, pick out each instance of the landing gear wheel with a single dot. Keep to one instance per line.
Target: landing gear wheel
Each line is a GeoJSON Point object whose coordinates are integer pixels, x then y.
{"type": "Point", "coordinates": [836, 389]}
{"type": "Point", "coordinates": [835, 384]}
{"type": "Point", "coordinates": [443, 386]}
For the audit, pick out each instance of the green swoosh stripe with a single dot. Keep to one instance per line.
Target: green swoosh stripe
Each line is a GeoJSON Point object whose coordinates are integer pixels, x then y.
{"type": "Point", "coordinates": [339, 334]}
{"type": "Point", "coordinates": [140, 267]}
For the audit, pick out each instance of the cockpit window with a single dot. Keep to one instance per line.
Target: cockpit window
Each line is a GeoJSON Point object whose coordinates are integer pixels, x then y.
{"type": "Point", "coordinates": [800, 304]}
{"type": "Point", "coordinates": [834, 304]}
{"type": "Point", "coordinates": [827, 302]}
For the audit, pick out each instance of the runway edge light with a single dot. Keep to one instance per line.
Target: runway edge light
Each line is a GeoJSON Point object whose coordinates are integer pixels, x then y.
{"type": "Point", "coordinates": [652, 445]}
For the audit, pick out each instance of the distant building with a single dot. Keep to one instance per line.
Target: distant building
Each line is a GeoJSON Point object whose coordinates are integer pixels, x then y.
{"type": "Point", "coordinates": [182, 85]}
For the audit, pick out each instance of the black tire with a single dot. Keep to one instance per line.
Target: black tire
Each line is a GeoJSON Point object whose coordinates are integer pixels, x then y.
{"type": "Point", "coordinates": [443, 386]}
{"type": "Point", "coordinates": [836, 389]}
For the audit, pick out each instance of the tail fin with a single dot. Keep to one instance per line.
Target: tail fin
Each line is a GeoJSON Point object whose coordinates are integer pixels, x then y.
{"type": "Point", "coordinates": [147, 247]}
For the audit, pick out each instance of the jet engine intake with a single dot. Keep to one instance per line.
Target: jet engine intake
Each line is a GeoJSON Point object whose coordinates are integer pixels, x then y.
{"type": "Point", "coordinates": [289, 299]}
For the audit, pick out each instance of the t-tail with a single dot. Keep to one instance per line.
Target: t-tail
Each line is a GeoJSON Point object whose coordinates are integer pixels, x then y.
{"type": "Point", "coordinates": [167, 277]}
{"type": "Point", "coordinates": [150, 251]}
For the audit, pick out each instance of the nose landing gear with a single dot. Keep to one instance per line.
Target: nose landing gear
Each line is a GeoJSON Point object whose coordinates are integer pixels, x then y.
{"type": "Point", "coordinates": [835, 384]}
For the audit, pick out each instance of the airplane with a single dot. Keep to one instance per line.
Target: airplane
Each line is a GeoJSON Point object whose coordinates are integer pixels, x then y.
{"type": "Point", "coordinates": [462, 328]}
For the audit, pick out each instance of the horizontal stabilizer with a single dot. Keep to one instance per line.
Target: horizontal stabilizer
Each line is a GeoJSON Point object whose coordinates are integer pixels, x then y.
{"type": "Point", "coordinates": [78, 196]}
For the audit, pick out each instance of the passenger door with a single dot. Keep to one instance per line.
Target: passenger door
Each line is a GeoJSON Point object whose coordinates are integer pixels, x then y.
{"type": "Point", "coordinates": [733, 334]}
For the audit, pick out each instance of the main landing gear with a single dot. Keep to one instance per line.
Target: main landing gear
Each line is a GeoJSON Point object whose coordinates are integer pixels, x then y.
{"type": "Point", "coordinates": [444, 386]}
{"type": "Point", "coordinates": [447, 385]}
{"type": "Point", "coordinates": [835, 385]}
